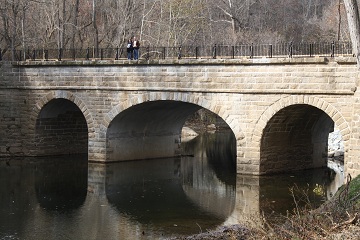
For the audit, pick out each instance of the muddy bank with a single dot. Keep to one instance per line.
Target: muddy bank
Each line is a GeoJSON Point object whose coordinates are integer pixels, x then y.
{"type": "Point", "coordinates": [227, 232]}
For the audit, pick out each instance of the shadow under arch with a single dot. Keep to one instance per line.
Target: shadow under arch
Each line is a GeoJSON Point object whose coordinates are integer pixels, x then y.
{"type": "Point", "coordinates": [295, 138]}
{"type": "Point", "coordinates": [61, 126]}
{"type": "Point", "coordinates": [147, 130]}
{"type": "Point", "coordinates": [325, 112]}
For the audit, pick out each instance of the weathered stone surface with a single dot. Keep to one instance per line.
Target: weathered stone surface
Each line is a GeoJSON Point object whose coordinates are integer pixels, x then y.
{"type": "Point", "coordinates": [249, 94]}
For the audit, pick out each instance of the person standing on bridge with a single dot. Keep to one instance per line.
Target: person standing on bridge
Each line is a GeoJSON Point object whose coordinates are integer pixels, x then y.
{"type": "Point", "coordinates": [130, 49]}
{"type": "Point", "coordinates": [136, 46]}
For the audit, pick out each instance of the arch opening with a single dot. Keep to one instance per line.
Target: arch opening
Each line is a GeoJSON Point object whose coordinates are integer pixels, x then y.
{"type": "Point", "coordinates": [61, 129]}
{"type": "Point", "coordinates": [151, 130]}
{"type": "Point", "coordinates": [295, 138]}
{"type": "Point", "coordinates": [147, 130]}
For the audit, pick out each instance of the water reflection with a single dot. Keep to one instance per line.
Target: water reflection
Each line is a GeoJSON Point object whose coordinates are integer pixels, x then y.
{"type": "Point", "coordinates": [38, 194]}
{"type": "Point", "coordinates": [279, 194]}
{"type": "Point", "coordinates": [66, 198]}
{"type": "Point", "coordinates": [151, 192]}
{"type": "Point", "coordinates": [60, 184]}
{"type": "Point", "coordinates": [178, 196]}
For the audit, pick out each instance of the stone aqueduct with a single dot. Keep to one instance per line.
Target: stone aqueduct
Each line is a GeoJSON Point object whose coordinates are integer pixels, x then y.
{"type": "Point", "coordinates": [280, 110]}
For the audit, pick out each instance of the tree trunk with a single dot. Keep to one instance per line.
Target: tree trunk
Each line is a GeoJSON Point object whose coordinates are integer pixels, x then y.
{"type": "Point", "coordinates": [63, 25]}
{"type": "Point", "coordinates": [75, 23]}
{"type": "Point", "coordinates": [96, 34]}
{"type": "Point", "coordinates": [352, 12]}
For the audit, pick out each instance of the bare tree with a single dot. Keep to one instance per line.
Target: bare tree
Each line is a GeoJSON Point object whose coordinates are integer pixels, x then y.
{"type": "Point", "coordinates": [352, 11]}
{"type": "Point", "coordinates": [108, 23]}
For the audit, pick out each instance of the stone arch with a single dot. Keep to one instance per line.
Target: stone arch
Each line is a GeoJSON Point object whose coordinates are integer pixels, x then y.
{"type": "Point", "coordinates": [68, 96]}
{"type": "Point", "coordinates": [215, 107]}
{"type": "Point", "coordinates": [319, 103]}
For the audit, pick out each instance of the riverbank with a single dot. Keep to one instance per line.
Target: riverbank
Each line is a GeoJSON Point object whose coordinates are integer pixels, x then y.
{"type": "Point", "coordinates": [336, 219]}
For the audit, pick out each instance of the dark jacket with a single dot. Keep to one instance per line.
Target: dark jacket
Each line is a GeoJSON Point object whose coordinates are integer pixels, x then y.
{"type": "Point", "coordinates": [137, 44]}
{"type": "Point", "coordinates": [129, 47]}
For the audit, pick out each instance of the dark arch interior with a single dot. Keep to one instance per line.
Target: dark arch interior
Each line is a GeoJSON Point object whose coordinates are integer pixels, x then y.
{"type": "Point", "coordinates": [295, 138]}
{"type": "Point", "coordinates": [61, 128]}
{"type": "Point", "coordinates": [148, 130]}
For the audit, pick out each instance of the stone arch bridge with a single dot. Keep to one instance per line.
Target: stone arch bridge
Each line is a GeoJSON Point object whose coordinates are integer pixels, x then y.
{"type": "Point", "coordinates": [280, 110]}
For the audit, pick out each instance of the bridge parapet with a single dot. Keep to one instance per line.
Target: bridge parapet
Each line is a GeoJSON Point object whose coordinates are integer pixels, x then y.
{"type": "Point", "coordinates": [318, 75]}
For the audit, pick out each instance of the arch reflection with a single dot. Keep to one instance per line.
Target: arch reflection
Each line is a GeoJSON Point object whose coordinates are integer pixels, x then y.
{"type": "Point", "coordinates": [184, 192]}
{"type": "Point", "coordinates": [61, 182]}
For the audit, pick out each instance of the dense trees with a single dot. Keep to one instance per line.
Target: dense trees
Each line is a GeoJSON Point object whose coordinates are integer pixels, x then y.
{"type": "Point", "coordinates": [108, 23]}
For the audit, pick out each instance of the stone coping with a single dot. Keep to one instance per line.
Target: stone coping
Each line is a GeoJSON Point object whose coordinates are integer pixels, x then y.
{"type": "Point", "coordinates": [241, 61]}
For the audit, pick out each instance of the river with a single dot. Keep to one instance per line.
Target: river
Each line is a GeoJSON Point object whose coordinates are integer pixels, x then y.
{"type": "Point", "coordinates": [68, 198]}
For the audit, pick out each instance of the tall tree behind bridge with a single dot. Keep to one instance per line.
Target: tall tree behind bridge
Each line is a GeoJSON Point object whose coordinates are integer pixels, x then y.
{"type": "Point", "coordinates": [352, 10]}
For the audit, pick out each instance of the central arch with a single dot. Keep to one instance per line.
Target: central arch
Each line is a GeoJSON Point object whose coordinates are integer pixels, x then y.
{"type": "Point", "coordinates": [160, 105]}
{"type": "Point", "coordinates": [147, 130]}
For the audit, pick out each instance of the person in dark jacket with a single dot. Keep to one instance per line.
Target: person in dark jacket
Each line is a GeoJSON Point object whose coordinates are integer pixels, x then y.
{"type": "Point", "coordinates": [129, 49]}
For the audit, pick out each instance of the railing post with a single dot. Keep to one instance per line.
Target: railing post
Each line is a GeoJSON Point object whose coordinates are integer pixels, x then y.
{"type": "Point", "coordinates": [117, 54]}
{"type": "Point", "coordinates": [233, 51]}
{"type": "Point", "coordinates": [102, 54]}
{"type": "Point", "coordinates": [270, 51]}
{"type": "Point", "coordinates": [290, 51]}
{"type": "Point", "coordinates": [252, 50]}
{"type": "Point", "coordinates": [88, 53]}
{"type": "Point", "coordinates": [196, 52]}
{"type": "Point", "coordinates": [147, 53]}
{"type": "Point", "coordinates": [179, 53]}
{"type": "Point", "coordinates": [33, 57]}
{"type": "Point", "coordinates": [46, 52]}
{"type": "Point", "coordinates": [28, 55]}
{"type": "Point", "coordinates": [60, 54]}
{"type": "Point", "coordinates": [164, 52]}
{"type": "Point", "coordinates": [74, 54]}
{"type": "Point", "coordinates": [13, 54]}
{"type": "Point", "coordinates": [333, 49]}
{"type": "Point", "coordinates": [311, 46]}
{"type": "Point", "coordinates": [214, 52]}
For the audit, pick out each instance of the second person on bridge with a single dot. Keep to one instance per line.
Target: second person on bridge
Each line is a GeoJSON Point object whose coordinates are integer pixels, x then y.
{"type": "Point", "coordinates": [136, 46]}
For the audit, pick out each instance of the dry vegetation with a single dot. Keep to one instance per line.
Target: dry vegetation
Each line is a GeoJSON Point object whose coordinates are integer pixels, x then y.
{"type": "Point", "coordinates": [54, 24]}
{"type": "Point", "coordinates": [336, 219]}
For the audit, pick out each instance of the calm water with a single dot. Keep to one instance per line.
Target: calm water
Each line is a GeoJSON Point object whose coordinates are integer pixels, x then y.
{"type": "Point", "coordinates": [67, 198]}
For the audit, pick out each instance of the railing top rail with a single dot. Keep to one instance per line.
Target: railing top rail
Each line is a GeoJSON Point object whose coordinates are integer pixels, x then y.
{"type": "Point", "coordinates": [278, 50]}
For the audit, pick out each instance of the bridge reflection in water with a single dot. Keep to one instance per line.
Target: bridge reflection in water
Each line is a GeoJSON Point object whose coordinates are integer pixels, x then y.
{"type": "Point", "coordinates": [69, 198]}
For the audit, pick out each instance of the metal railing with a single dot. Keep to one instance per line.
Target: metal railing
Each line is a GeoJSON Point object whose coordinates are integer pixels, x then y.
{"type": "Point", "coordinates": [281, 50]}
